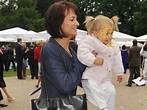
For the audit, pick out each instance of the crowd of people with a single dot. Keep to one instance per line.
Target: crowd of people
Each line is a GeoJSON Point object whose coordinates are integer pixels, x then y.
{"type": "Point", "coordinates": [21, 57]}
{"type": "Point", "coordinates": [65, 64]}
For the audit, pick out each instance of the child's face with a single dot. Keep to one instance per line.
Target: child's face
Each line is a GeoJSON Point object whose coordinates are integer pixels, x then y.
{"type": "Point", "coordinates": [105, 34]}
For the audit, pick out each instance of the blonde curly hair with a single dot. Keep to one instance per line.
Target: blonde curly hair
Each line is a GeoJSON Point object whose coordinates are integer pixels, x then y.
{"type": "Point", "coordinates": [92, 23]}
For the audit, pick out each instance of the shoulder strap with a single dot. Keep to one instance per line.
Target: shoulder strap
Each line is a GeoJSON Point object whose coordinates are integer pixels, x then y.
{"type": "Point", "coordinates": [43, 75]}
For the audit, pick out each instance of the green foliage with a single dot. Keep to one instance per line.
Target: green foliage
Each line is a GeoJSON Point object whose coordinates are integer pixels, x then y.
{"type": "Point", "coordinates": [29, 14]}
{"type": "Point", "coordinates": [140, 19]}
{"type": "Point", "coordinates": [21, 13]}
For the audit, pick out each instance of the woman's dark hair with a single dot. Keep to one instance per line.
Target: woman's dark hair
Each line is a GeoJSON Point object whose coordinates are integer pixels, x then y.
{"type": "Point", "coordinates": [123, 47]}
{"type": "Point", "coordinates": [55, 15]}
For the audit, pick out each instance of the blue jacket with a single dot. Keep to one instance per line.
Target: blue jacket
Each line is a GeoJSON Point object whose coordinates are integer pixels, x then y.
{"type": "Point", "coordinates": [62, 72]}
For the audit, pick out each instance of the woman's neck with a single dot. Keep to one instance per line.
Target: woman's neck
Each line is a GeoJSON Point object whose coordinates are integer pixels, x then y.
{"type": "Point", "coordinates": [64, 42]}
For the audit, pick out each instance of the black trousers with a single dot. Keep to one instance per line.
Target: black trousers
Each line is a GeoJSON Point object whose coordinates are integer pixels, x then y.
{"type": "Point", "coordinates": [19, 69]}
{"type": "Point", "coordinates": [1, 96]}
{"type": "Point", "coordinates": [134, 73]}
{"type": "Point", "coordinates": [33, 70]}
{"type": "Point", "coordinates": [13, 63]}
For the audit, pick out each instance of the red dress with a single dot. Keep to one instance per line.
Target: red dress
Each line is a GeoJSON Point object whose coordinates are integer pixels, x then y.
{"type": "Point", "coordinates": [37, 51]}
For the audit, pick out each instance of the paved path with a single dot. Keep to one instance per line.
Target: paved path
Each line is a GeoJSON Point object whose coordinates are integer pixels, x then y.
{"type": "Point", "coordinates": [127, 98]}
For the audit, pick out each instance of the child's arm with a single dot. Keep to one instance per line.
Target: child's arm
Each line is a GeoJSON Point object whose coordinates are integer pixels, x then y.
{"type": "Point", "coordinates": [97, 61]}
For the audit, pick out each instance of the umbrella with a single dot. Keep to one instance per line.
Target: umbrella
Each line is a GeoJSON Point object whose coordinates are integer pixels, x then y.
{"type": "Point", "coordinates": [36, 90]}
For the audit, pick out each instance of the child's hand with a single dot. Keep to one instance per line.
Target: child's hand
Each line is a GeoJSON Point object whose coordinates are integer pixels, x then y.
{"type": "Point", "coordinates": [94, 53]}
{"type": "Point", "coordinates": [119, 78]}
{"type": "Point", "coordinates": [99, 61]}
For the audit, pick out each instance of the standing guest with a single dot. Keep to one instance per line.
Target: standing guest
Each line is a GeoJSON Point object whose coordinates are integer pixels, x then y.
{"type": "Point", "coordinates": [10, 52]}
{"type": "Point", "coordinates": [32, 62]}
{"type": "Point", "coordinates": [96, 79]}
{"type": "Point", "coordinates": [1, 98]}
{"type": "Point", "coordinates": [24, 63]}
{"type": "Point", "coordinates": [124, 55]}
{"type": "Point", "coordinates": [143, 53]}
{"type": "Point", "coordinates": [61, 67]}
{"type": "Point", "coordinates": [134, 60]}
{"type": "Point", "coordinates": [37, 51]}
{"type": "Point", "coordinates": [4, 57]}
{"type": "Point", "coordinates": [2, 82]}
{"type": "Point", "coordinates": [19, 58]}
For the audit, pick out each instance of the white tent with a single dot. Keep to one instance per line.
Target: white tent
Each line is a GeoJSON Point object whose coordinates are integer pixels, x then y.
{"type": "Point", "coordinates": [80, 34]}
{"type": "Point", "coordinates": [127, 43]}
{"type": "Point", "coordinates": [118, 36]}
{"type": "Point", "coordinates": [7, 40]}
{"type": "Point", "coordinates": [18, 32]}
{"type": "Point", "coordinates": [142, 38]}
{"type": "Point", "coordinates": [44, 34]}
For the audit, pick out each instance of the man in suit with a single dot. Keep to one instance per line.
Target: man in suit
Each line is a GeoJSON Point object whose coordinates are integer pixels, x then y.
{"type": "Point", "coordinates": [32, 63]}
{"type": "Point", "coordinates": [10, 53]}
{"type": "Point", "coordinates": [134, 60]}
{"type": "Point", "coordinates": [19, 58]}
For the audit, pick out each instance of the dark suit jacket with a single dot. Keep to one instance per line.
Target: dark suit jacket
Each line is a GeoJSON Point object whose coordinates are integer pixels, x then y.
{"type": "Point", "coordinates": [134, 57]}
{"type": "Point", "coordinates": [62, 72]}
{"type": "Point", "coordinates": [10, 54]}
{"type": "Point", "coordinates": [30, 56]}
{"type": "Point", "coordinates": [19, 52]}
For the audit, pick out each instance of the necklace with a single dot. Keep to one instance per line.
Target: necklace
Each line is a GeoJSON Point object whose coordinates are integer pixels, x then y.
{"type": "Point", "coordinates": [65, 47]}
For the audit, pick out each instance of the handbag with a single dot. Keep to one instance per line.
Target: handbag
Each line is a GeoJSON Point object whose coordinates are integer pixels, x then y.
{"type": "Point", "coordinates": [77, 102]}
{"type": "Point", "coordinates": [69, 102]}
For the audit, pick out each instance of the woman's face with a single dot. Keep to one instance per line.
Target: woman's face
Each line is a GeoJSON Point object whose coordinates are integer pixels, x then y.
{"type": "Point", "coordinates": [70, 24]}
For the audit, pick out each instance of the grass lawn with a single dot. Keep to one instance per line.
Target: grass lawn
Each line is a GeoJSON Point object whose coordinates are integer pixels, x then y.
{"type": "Point", "coordinates": [11, 73]}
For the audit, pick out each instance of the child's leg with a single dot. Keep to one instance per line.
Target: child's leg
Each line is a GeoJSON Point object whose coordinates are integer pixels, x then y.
{"type": "Point", "coordinates": [95, 94]}
{"type": "Point", "coordinates": [110, 95]}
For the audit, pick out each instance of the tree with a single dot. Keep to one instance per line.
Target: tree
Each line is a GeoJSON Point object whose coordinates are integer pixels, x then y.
{"type": "Point", "coordinates": [140, 19]}
{"type": "Point", "coordinates": [22, 13]}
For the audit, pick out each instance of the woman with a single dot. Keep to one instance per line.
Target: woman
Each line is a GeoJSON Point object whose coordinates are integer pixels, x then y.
{"type": "Point", "coordinates": [61, 68]}
{"type": "Point", "coordinates": [124, 55]}
{"type": "Point", "coordinates": [24, 63]}
{"type": "Point", "coordinates": [2, 82]}
{"type": "Point", "coordinates": [37, 51]}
